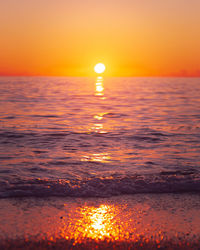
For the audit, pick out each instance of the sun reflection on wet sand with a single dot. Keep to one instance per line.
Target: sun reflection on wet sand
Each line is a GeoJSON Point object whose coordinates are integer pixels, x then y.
{"type": "Point", "coordinates": [119, 223]}
{"type": "Point", "coordinates": [96, 223]}
{"type": "Point", "coordinates": [147, 221]}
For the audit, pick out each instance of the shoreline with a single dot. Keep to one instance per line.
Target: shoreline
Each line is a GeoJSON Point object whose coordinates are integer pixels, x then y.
{"type": "Point", "coordinates": [142, 221]}
{"type": "Point", "coordinates": [92, 244]}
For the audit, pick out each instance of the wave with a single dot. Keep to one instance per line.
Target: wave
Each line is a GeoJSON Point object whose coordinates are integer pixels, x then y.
{"type": "Point", "coordinates": [164, 182]}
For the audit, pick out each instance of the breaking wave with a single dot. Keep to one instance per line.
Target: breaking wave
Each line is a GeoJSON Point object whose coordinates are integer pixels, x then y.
{"type": "Point", "coordinates": [164, 182]}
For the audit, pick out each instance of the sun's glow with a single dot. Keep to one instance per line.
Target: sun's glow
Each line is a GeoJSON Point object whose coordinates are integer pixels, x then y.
{"type": "Point", "coordinates": [99, 68]}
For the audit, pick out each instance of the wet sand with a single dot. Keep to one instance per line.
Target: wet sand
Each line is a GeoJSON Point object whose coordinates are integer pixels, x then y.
{"type": "Point", "coordinates": [144, 221]}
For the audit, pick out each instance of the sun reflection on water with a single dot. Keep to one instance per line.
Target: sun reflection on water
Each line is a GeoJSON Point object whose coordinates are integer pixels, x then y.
{"type": "Point", "coordinates": [99, 86]}
{"type": "Point", "coordinates": [97, 126]}
{"type": "Point", "coordinates": [99, 116]}
{"type": "Point", "coordinates": [96, 157]}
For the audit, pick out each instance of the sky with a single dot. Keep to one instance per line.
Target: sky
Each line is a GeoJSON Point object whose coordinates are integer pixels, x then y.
{"type": "Point", "coordinates": [131, 37]}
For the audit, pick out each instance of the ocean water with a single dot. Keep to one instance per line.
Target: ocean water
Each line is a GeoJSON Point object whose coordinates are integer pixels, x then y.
{"type": "Point", "coordinates": [98, 137]}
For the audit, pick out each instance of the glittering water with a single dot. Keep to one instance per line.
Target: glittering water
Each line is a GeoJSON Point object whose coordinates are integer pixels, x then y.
{"type": "Point", "coordinates": [99, 136]}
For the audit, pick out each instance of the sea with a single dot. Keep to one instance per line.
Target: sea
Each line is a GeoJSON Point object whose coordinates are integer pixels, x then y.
{"type": "Point", "coordinates": [99, 136]}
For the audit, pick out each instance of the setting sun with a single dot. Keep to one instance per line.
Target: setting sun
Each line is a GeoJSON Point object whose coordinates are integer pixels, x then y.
{"type": "Point", "coordinates": [99, 68]}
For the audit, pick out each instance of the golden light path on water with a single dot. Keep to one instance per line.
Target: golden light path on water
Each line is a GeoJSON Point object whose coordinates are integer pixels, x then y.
{"type": "Point", "coordinates": [98, 126]}
{"type": "Point", "coordinates": [97, 157]}
{"type": "Point", "coordinates": [99, 86]}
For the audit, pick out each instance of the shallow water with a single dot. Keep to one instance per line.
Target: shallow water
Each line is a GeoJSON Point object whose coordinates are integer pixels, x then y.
{"type": "Point", "coordinates": [99, 136]}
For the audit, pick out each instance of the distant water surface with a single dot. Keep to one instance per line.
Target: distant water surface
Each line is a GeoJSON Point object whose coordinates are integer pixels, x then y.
{"type": "Point", "coordinates": [99, 136]}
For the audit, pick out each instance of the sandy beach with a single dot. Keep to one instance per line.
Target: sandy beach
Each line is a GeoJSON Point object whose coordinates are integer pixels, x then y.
{"type": "Point", "coordinates": [143, 221]}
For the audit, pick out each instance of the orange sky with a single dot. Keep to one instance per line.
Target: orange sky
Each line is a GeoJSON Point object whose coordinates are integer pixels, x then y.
{"type": "Point", "coordinates": [132, 37]}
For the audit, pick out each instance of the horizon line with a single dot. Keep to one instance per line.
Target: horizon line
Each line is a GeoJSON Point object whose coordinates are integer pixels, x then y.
{"type": "Point", "coordinates": [161, 76]}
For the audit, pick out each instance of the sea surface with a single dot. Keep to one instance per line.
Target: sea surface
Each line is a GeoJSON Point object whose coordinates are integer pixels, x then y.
{"type": "Point", "coordinates": [98, 136]}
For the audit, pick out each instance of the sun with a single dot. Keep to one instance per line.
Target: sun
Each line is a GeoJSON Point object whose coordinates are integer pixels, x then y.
{"type": "Point", "coordinates": [99, 68]}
